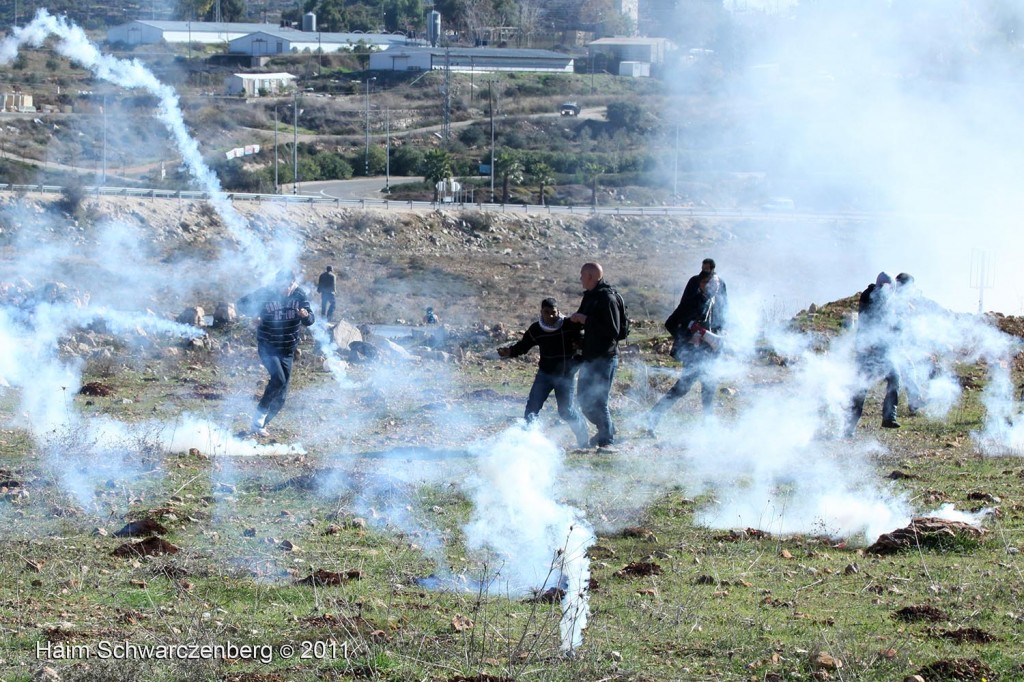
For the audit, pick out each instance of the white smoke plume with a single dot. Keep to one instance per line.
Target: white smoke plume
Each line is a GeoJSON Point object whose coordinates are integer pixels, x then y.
{"type": "Point", "coordinates": [72, 42]}
{"type": "Point", "coordinates": [517, 515]}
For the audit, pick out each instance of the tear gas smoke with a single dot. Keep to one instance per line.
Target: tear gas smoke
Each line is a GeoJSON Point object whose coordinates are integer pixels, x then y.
{"type": "Point", "coordinates": [517, 516]}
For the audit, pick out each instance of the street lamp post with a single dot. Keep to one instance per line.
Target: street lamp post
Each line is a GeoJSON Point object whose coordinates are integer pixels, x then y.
{"type": "Point", "coordinates": [276, 185]}
{"type": "Point", "coordinates": [367, 157]}
{"type": "Point", "coordinates": [103, 178]}
{"type": "Point", "coordinates": [490, 99]}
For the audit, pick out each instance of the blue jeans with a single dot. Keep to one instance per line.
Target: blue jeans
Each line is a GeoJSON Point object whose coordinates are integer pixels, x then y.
{"type": "Point", "coordinates": [564, 386]}
{"type": "Point", "coordinates": [280, 369]}
{"type": "Point", "coordinates": [695, 369]}
{"type": "Point", "coordinates": [594, 385]}
{"type": "Point", "coordinates": [873, 367]}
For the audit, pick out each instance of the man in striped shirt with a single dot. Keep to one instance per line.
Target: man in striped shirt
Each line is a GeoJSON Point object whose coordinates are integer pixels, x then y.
{"type": "Point", "coordinates": [281, 309]}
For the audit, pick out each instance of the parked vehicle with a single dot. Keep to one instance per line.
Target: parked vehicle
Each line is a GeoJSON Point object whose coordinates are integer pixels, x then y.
{"type": "Point", "coordinates": [569, 109]}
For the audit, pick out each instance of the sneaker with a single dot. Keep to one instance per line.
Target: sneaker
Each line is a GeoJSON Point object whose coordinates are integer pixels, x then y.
{"type": "Point", "coordinates": [890, 424]}
{"type": "Point", "coordinates": [261, 432]}
{"type": "Point", "coordinates": [608, 448]}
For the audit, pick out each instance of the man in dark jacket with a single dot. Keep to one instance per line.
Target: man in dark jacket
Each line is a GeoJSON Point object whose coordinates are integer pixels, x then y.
{"type": "Point", "coordinates": [280, 309]}
{"type": "Point", "coordinates": [694, 326]}
{"type": "Point", "coordinates": [557, 339]}
{"type": "Point", "coordinates": [326, 285]}
{"type": "Point", "coordinates": [877, 330]}
{"type": "Point", "coordinates": [599, 313]}
{"type": "Point", "coordinates": [721, 298]}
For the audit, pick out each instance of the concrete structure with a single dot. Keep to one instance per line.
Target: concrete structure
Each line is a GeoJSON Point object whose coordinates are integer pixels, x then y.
{"type": "Point", "coordinates": [16, 102]}
{"type": "Point", "coordinates": [286, 41]}
{"type": "Point", "coordinates": [635, 69]}
{"type": "Point", "coordinates": [470, 59]}
{"type": "Point", "coordinates": [207, 32]}
{"type": "Point", "coordinates": [650, 50]}
{"type": "Point", "coordinates": [254, 84]}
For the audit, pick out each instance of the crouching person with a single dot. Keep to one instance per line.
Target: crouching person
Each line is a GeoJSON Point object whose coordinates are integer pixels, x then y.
{"type": "Point", "coordinates": [557, 338]}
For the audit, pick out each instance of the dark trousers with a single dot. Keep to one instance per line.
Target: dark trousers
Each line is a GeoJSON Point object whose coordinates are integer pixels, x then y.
{"type": "Point", "coordinates": [692, 373]}
{"type": "Point", "coordinates": [280, 369]}
{"type": "Point", "coordinates": [593, 387]}
{"type": "Point", "coordinates": [874, 367]}
{"type": "Point", "coordinates": [327, 301]}
{"type": "Point", "coordinates": [564, 386]}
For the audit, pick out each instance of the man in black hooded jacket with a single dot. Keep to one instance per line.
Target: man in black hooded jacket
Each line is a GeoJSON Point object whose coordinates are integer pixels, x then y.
{"type": "Point", "coordinates": [557, 338]}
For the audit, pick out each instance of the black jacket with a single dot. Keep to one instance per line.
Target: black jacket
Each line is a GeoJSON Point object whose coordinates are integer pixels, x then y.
{"type": "Point", "coordinates": [601, 331]}
{"type": "Point", "coordinates": [556, 347]}
{"type": "Point", "coordinates": [279, 317]}
{"type": "Point", "coordinates": [327, 283]}
{"type": "Point", "coordinates": [695, 306]}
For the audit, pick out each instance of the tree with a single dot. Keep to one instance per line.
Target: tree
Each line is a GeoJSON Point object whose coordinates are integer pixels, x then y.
{"type": "Point", "coordinates": [543, 176]}
{"type": "Point", "coordinates": [437, 166]}
{"type": "Point", "coordinates": [510, 167]}
{"type": "Point", "coordinates": [591, 172]}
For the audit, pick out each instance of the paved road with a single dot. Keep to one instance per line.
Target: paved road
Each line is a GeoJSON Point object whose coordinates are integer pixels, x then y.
{"type": "Point", "coordinates": [360, 188]}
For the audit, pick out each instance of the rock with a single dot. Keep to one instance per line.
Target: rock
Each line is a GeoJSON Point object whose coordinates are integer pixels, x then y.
{"type": "Point", "coordinates": [224, 313]}
{"type": "Point", "coordinates": [344, 334]}
{"type": "Point", "coordinates": [825, 661]}
{"type": "Point", "coordinates": [193, 316]}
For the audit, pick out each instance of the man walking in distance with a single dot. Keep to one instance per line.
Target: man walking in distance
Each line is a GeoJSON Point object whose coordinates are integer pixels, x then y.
{"type": "Point", "coordinates": [327, 286]}
{"type": "Point", "coordinates": [557, 338]}
{"type": "Point", "coordinates": [877, 333]}
{"type": "Point", "coordinates": [280, 310]}
{"type": "Point", "coordinates": [600, 315]}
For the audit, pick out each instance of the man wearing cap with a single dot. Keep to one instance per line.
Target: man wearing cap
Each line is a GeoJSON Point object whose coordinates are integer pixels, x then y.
{"type": "Point", "coordinates": [326, 285]}
{"type": "Point", "coordinates": [877, 330]}
{"type": "Point", "coordinates": [280, 309]}
{"type": "Point", "coordinates": [558, 340]}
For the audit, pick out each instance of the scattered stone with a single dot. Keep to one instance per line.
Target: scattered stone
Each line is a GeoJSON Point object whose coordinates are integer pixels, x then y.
{"type": "Point", "coordinates": [825, 661]}
{"type": "Point", "coordinates": [192, 316]}
{"type": "Point", "coordinates": [461, 623]}
{"type": "Point", "coordinates": [249, 533]}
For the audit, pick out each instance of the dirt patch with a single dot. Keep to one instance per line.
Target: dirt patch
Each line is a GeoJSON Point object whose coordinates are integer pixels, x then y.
{"type": "Point", "coordinates": [552, 595]}
{"type": "Point", "coordinates": [930, 533]}
{"type": "Point", "coordinates": [964, 669]}
{"type": "Point", "coordinates": [136, 529]}
{"type": "Point", "coordinates": [151, 546]}
{"type": "Point", "coordinates": [745, 534]}
{"type": "Point", "coordinates": [96, 388]}
{"type": "Point", "coordinates": [635, 569]}
{"type": "Point", "coordinates": [968, 636]}
{"type": "Point", "coordinates": [921, 612]}
{"type": "Point", "coordinates": [322, 578]}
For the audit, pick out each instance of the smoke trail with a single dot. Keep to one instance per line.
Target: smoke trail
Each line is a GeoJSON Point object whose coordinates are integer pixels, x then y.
{"type": "Point", "coordinates": [76, 46]}
{"type": "Point", "coordinates": [516, 515]}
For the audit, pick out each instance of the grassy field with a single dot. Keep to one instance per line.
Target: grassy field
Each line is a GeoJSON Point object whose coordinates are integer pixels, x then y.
{"type": "Point", "coordinates": [325, 553]}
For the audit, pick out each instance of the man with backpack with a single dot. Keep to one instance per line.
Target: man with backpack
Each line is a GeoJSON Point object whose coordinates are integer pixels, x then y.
{"type": "Point", "coordinates": [694, 326]}
{"type": "Point", "coordinates": [603, 316]}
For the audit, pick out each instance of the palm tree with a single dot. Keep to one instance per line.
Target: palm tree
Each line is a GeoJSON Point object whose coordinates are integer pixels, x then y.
{"type": "Point", "coordinates": [591, 172]}
{"type": "Point", "coordinates": [437, 166]}
{"type": "Point", "coordinates": [543, 175]}
{"type": "Point", "coordinates": [510, 168]}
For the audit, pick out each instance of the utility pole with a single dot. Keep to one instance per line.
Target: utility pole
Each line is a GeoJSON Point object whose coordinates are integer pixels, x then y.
{"type": "Point", "coordinates": [387, 160]}
{"type": "Point", "coordinates": [490, 98]}
{"type": "Point", "coordinates": [367, 158]}
{"type": "Point", "coordinates": [675, 167]}
{"type": "Point", "coordinates": [103, 178]}
{"type": "Point", "coordinates": [295, 141]}
{"type": "Point", "coordinates": [446, 131]}
{"type": "Point", "coordinates": [276, 184]}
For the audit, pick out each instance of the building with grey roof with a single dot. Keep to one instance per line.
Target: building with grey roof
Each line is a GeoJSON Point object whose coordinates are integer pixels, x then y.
{"type": "Point", "coordinates": [470, 59]}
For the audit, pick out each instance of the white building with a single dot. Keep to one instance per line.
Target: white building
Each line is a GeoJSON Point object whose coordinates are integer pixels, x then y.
{"type": "Point", "coordinates": [284, 41]}
{"type": "Point", "coordinates": [255, 84]}
{"type": "Point", "coordinates": [470, 59]}
{"type": "Point", "coordinates": [207, 32]}
{"type": "Point", "coordinates": [650, 50]}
